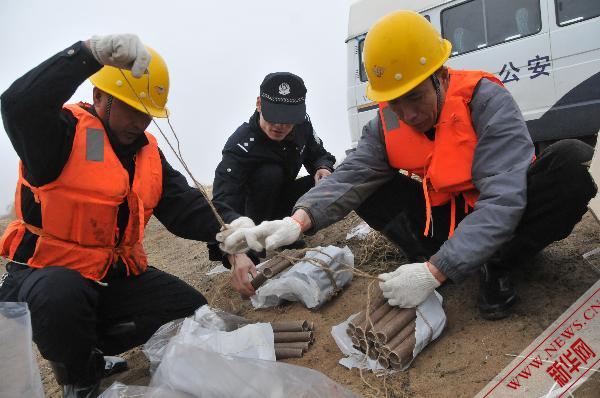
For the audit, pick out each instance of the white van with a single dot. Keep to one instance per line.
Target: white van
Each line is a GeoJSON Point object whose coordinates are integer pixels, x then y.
{"type": "Point", "coordinates": [547, 53]}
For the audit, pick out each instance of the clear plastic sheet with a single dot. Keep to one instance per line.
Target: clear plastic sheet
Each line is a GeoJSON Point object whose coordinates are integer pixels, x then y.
{"type": "Point", "coordinates": [205, 317]}
{"type": "Point", "coordinates": [359, 232]}
{"type": "Point", "coordinates": [120, 390]}
{"type": "Point", "coordinates": [250, 341]}
{"type": "Point", "coordinates": [19, 372]}
{"type": "Point", "coordinates": [155, 347]}
{"type": "Point", "coordinates": [306, 282]}
{"type": "Point", "coordinates": [192, 370]}
{"type": "Point", "coordinates": [215, 319]}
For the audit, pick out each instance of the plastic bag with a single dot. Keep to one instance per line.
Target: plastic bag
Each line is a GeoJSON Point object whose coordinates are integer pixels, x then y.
{"type": "Point", "coordinates": [200, 373]}
{"type": "Point", "coordinates": [155, 347]}
{"type": "Point", "coordinates": [215, 319]}
{"type": "Point", "coordinates": [205, 317]}
{"type": "Point", "coordinates": [306, 282]}
{"type": "Point", "coordinates": [120, 390]}
{"type": "Point", "coordinates": [19, 372]}
{"type": "Point", "coordinates": [359, 232]}
{"type": "Point", "coordinates": [250, 341]}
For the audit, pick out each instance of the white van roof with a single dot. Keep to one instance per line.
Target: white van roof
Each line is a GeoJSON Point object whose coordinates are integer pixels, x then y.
{"type": "Point", "coordinates": [364, 13]}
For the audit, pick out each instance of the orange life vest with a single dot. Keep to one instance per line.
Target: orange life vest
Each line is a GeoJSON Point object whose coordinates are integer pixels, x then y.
{"type": "Point", "coordinates": [444, 164]}
{"type": "Point", "coordinates": [79, 209]}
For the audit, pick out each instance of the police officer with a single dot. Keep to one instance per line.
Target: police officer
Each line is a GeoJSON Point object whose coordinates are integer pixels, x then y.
{"type": "Point", "coordinates": [257, 176]}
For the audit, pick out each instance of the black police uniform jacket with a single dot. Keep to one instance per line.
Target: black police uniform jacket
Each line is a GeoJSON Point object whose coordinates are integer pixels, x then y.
{"type": "Point", "coordinates": [249, 147]}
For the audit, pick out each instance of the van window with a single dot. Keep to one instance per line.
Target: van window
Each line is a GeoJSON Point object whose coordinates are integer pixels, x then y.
{"type": "Point", "coordinates": [463, 26]}
{"type": "Point", "coordinates": [483, 23]}
{"type": "Point", "coordinates": [572, 11]}
{"type": "Point", "coordinates": [361, 70]}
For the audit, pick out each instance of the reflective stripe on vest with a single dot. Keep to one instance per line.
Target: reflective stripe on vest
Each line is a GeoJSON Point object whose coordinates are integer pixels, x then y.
{"type": "Point", "coordinates": [79, 209]}
{"type": "Point", "coordinates": [444, 164]}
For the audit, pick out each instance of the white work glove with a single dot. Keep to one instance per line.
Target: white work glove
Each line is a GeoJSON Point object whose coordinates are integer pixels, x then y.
{"type": "Point", "coordinates": [124, 51]}
{"type": "Point", "coordinates": [273, 234]}
{"type": "Point", "coordinates": [409, 285]}
{"type": "Point", "coordinates": [232, 239]}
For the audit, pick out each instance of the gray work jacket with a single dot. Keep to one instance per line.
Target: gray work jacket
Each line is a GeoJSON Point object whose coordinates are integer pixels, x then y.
{"type": "Point", "coordinates": [502, 156]}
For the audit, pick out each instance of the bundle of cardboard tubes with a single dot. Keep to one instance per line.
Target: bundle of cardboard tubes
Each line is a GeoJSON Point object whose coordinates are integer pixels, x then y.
{"type": "Point", "coordinates": [292, 338]}
{"type": "Point", "coordinates": [387, 335]}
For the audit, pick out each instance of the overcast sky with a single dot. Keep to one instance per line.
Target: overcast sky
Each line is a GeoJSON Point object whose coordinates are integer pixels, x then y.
{"type": "Point", "coordinates": [218, 53]}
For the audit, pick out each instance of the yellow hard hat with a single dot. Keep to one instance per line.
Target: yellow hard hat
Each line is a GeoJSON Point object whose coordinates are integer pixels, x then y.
{"type": "Point", "coordinates": [152, 88]}
{"type": "Point", "coordinates": [401, 50]}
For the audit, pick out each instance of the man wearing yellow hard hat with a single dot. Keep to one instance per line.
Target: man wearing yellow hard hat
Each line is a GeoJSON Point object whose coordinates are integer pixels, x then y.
{"type": "Point", "coordinates": [471, 195]}
{"type": "Point", "coordinates": [90, 178]}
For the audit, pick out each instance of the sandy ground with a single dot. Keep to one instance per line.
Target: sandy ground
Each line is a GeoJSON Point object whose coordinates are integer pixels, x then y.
{"type": "Point", "coordinates": [470, 352]}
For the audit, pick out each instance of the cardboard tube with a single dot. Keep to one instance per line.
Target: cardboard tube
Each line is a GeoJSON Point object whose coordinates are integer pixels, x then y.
{"type": "Point", "coordinates": [355, 341]}
{"type": "Point", "coordinates": [289, 326]}
{"type": "Point", "coordinates": [395, 365]}
{"type": "Point", "coordinates": [283, 353]}
{"type": "Point", "coordinates": [385, 350]}
{"type": "Point", "coordinates": [358, 320]}
{"type": "Point", "coordinates": [376, 301]}
{"type": "Point", "coordinates": [378, 314]}
{"type": "Point", "coordinates": [363, 345]}
{"type": "Point", "coordinates": [258, 280]}
{"type": "Point", "coordinates": [404, 351]}
{"type": "Point", "coordinates": [395, 325]}
{"type": "Point", "coordinates": [271, 269]}
{"type": "Point", "coordinates": [296, 344]}
{"type": "Point", "coordinates": [401, 336]}
{"type": "Point", "coordinates": [310, 325]}
{"type": "Point", "coordinates": [360, 331]}
{"type": "Point", "coordinates": [373, 353]}
{"type": "Point", "coordinates": [350, 332]}
{"type": "Point", "coordinates": [370, 339]}
{"type": "Point", "coordinates": [288, 337]}
{"type": "Point", "coordinates": [383, 361]}
{"type": "Point", "coordinates": [391, 313]}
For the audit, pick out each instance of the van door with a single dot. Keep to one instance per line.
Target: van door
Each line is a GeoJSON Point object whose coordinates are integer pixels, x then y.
{"type": "Point", "coordinates": [575, 41]}
{"type": "Point", "coordinates": [510, 39]}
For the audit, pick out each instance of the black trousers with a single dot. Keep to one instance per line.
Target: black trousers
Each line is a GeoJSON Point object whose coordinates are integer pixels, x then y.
{"type": "Point", "coordinates": [559, 188]}
{"type": "Point", "coordinates": [270, 193]}
{"type": "Point", "coordinates": [71, 315]}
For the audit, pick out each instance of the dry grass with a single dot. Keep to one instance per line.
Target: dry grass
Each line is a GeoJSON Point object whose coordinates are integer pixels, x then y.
{"type": "Point", "coordinates": [376, 254]}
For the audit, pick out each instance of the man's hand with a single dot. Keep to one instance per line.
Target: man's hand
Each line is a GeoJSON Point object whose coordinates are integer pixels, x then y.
{"type": "Point", "coordinates": [232, 239]}
{"type": "Point", "coordinates": [124, 51]}
{"type": "Point", "coordinates": [409, 285]}
{"type": "Point", "coordinates": [273, 234]}
{"type": "Point", "coordinates": [241, 266]}
{"type": "Point", "coordinates": [320, 174]}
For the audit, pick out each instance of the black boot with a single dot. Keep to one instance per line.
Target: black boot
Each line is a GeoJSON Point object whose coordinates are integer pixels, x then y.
{"type": "Point", "coordinates": [496, 292]}
{"type": "Point", "coordinates": [84, 382]}
{"type": "Point", "coordinates": [400, 231]}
